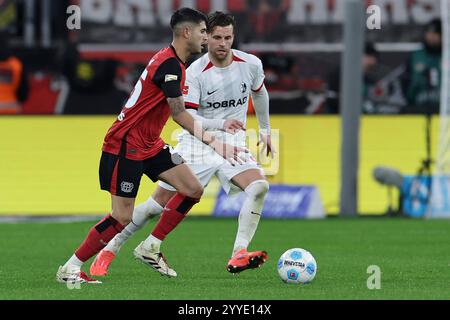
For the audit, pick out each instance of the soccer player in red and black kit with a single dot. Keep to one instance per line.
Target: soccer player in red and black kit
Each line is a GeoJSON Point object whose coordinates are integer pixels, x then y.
{"type": "Point", "coordinates": [133, 147]}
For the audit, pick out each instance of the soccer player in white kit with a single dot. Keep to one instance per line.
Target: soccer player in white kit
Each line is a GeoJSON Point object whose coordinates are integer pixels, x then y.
{"type": "Point", "coordinates": [217, 92]}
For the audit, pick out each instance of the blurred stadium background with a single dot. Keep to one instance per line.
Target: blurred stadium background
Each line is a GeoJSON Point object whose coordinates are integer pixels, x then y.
{"type": "Point", "coordinates": [77, 81]}
{"type": "Point", "coordinates": [63, 82]}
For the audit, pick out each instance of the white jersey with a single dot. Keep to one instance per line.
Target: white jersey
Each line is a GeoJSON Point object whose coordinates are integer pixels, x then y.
{"type": "Point", "coordinates": [223, 93]}
{"type": "Point", "coordinates": [219, 93]}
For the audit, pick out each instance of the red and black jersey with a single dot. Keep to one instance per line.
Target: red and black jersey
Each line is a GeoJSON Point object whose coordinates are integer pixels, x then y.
{"type": "Point", "coordinates": [143, 117]}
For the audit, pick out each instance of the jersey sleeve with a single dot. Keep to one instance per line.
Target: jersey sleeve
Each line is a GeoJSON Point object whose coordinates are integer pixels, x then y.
{"type": "Point", "coordinates": [192, 91]}
{"type": "Point", "coordinates": [258, 76]}
{"type": "Point", "coordinates": [168, 77]}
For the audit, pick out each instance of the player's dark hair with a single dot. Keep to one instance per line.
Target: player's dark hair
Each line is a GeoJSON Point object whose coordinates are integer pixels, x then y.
{"type": "Point", "coordinates": [187, 15]}
{"type": "Point", "coordinates": [220, 19]}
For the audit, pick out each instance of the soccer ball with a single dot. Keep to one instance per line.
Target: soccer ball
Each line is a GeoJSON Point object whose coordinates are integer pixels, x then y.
{"type": "Point", "coordinates": [297, 266]}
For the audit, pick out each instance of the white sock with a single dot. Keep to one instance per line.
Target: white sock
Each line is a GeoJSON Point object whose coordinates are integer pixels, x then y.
{"type": "Point", "coordinates": [74, 261]}
{"type": "Point", "coordinates": [141, 215]}
{"type": "Point", "coordinates": [152, 243]}
{"type": "Point", "coordinates": [146, 210]}
{"type": "Point", "coordinates": [250, 213]}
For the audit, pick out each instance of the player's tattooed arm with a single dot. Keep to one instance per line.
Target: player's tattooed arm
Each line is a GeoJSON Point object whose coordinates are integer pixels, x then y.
{"type": "Point", "coordinates": [182, 117]}
{"type": "Point", "coordinates": [176, 105]}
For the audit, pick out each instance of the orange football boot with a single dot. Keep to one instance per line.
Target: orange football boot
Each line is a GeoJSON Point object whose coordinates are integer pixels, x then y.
{"type": "Point", "coordinates": [101, 263]}
{"type": "Point", "coordinates": [244, 260]}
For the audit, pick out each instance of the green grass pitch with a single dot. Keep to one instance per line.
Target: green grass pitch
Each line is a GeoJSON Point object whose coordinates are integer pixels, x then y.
{"type": "Point", "coordinates": [413, 256]}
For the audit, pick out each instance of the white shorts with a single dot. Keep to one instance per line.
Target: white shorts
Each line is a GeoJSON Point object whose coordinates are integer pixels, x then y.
{"type": "Point", "coordinates": [205, 163]}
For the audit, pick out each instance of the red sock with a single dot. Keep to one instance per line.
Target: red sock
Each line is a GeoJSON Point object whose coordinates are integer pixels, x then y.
{"type": "Point", "coordinates": [98, 237]}
{"type": "Point", "coordinates": [174, 212]}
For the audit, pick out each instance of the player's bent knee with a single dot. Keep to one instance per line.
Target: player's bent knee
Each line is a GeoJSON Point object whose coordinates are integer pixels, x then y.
{"type": "Point", "coordinates": [194, 191]}
{"type": "Point", "coordinates": [258, 188]}
{"type": "Point", "coordinates": [161, 196]}
{"type": "Point", "coordinates": [122, 219]}
{"type": "Point", "coordinates": [123, 213]}
{"type": "Point", "coordinates": [197, 192]}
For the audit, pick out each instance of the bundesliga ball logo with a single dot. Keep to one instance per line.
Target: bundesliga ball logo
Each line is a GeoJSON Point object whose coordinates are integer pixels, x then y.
{"type": "Point", "coordinates": [297, 266]}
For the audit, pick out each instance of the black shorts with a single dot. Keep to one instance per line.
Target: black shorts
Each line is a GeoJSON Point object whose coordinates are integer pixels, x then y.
{"type": "Point", "coordinates": [121, 176]}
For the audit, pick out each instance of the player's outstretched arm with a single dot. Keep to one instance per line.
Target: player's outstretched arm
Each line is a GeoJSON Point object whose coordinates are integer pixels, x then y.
{"type": "Point", "coordinates": [184, 119]}
{"type": "Point", "coordinates": [261, 105]}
